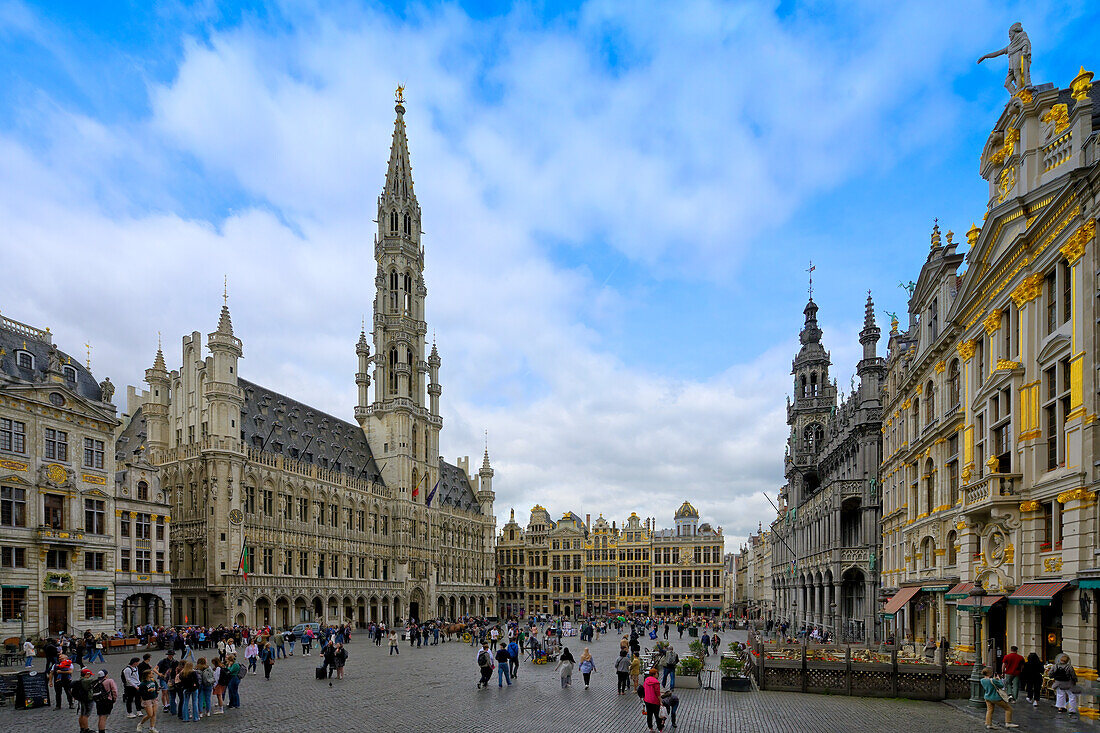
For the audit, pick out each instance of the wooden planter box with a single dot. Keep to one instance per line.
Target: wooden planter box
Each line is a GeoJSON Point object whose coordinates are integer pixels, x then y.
{"type": "Point", "coordinates": [736, 684]}
{"type": "Point", "coordinates": [688, 681]}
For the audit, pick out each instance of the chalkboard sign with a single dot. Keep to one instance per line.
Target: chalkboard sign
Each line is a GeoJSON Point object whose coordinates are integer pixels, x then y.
{"type": "Point", "coordinates": [9, 685]}
{"type": "Point", "coordinates": [33, 691]}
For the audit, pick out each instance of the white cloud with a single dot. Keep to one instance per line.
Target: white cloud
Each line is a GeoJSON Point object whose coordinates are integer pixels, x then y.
{"type": "Point", "coordinates": [718, 126]}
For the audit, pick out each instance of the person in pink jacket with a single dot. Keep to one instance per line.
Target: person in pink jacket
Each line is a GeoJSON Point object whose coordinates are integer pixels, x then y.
{"type": "Point", "coordinates": [652, 698]}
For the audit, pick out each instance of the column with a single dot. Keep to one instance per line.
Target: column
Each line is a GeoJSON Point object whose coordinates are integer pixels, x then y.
{"type": "Point", "coordinates": [1077, 639]}
{"type": "Point", "coordinates": [840, 620]}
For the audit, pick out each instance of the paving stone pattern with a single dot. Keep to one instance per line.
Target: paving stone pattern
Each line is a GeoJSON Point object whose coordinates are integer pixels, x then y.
{"type": "Point", "coordinates": [433, 689]}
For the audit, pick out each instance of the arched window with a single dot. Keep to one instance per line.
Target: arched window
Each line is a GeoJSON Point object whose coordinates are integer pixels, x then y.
{"type": "Point", "coordinates": [916, 417]}
{"type": "Point", "coordinates": [143, 491]}
{"type": "Point", "coordinates": [804, 392]}
{"type": "Point", "coordinates": [406, 288]}
{"type": "Point", "coordinates": [408, 224]}
{"type": "Point", "coordinates": [813, 384]}
{"type": "Point", "coordinates": [70, 375]}
{"type": "Point", "coordinates": [393, 291]}
{"type": "Point", "coordinates": [812, 438]}
{"type": "Point", "coordinates": [930, 401]}
{"type": "Point", "coordinates": [393, 221]}
{"type": "Point", "coordinates": [953, 384]}
{"type": "Point", "coordinates": [928, 553]}
{"type": "Point", "coordinates": [393, 371]}
{"type": "Point", "coordinates": [952, 555]}
{"type": "Point", "coordinates": [415, 431]}
{"type": "Point", "coordinates": [24, 359]}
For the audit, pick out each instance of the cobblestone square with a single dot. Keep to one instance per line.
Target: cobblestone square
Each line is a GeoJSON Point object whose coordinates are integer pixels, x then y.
{"type": "Point", "coordinates": [433, 689]}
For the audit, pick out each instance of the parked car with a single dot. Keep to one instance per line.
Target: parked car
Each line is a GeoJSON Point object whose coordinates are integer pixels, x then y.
{"type": "Point", "coordinates": [301, 629]}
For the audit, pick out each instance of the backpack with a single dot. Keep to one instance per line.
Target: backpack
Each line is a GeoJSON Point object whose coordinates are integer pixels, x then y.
{"type": "Point", "coordinates": [671, 659]}
{"type": "Point", "coordinates": [80, 692]}
{"type": "Point", "coordinates": [641, 691]}
{"type": "Point", "coordinates": [483, 659]}
{"type": "Point", "coordinates": [208, 677]}
{"type": "Point", "coordinates": [98, 691]}
{"type": "Point", "coordinates": [1060, 674]}
{"type": "Point", "coordinates": [241, 671]}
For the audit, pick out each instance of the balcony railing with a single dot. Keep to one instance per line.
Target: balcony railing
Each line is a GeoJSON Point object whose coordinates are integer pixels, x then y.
{"type": "Point", "coordinates": [993, 490]}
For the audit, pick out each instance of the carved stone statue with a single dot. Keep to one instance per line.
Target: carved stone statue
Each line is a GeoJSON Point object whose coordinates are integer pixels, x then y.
{"type": "Point", "coordinates": [55, 360]}
{"type": "Point", "coordinates": [1018, 51]}
{"type": "Point", "coordinates": [107, 389]}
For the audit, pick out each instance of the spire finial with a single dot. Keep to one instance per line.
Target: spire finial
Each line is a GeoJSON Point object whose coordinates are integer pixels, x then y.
{"type": "Point", "coordinates": [811, 271]}
{"type": "Point", "coordinates": [225, 290]}
{"type": "Point", "coordinates": [935, 233]}
{"type": "Point", "coordinates": [399, 95]}
{"type": "Point", "coordinates": [89, 361]}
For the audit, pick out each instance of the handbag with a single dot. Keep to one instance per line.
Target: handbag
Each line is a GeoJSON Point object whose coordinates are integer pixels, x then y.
{"type": "Point", "coordinates": [1003, 693]}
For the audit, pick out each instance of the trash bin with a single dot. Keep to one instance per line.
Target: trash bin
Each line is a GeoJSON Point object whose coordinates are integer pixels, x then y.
{"type": "Point", "coordinates": [693, 631]}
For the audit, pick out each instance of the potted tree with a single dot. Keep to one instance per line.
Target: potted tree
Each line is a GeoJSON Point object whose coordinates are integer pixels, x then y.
{"type": "Point", "coordinates": [687, 673]}
{"type": "Point", "coordinates": [733, 674]}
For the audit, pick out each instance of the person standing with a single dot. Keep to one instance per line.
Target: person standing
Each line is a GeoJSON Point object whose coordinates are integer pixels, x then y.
{"type": "Point", "coordinates": [290, 639]}
{"type": "Point", "coordinates": [504, 666]}
{"type": "Point", "coordinates": [131, 681]}
{"type": "Point", "coordinates": [1065, 684]}
{"type": "Point", "coordinates": [206, 686]}
{"type": "Point", "coordinates": [635, 670]}
{"type": "Point", "coordinates": [513, 657]}
{"type": "Point", "coordinates": [586, 666]}
{"type": "Point", "coordinates": [329, 654]}
{"type": "Point", "coordinates": [1011, 666]}
{"type": "Point", "coordinates": [668, 667]}
{"type": "Point", "coordinates": [484, 665]}
{"type": "Point", "coordinates": [990, 685]}
{"type": "Point", "coordinates": [1032, 677]}
{"type": "Point", "coordinates": [651, 696]}
{"type": "Point", "coordinates": [166, 676]}
{"type": "Point", "coordinates": [252, 654]}
{"type": "Point", "coordinates": [105, 699]}
{"type": "Point", "coordinates": [280, 646]}
{"type": "Point", "coordinates": [221, 683]}
{"type": "Point", "coordinates": [187, 684]}
{"type": "Point", "coordinates": [235, 672]}
{"type": "Point", "coordinates": [393, 643]}
{"type": "Point", "coordinates": [340, 657]}
{"type": "Point", "coordinates": [622, 671]}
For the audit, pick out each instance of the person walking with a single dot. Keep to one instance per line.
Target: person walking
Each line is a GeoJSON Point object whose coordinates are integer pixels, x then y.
{"type": "Point", "coordinates": [565, 665]}
{"type": "Point", "coordinates": [513, 657]}
{"type": "Point", "coordinates": [622, 671]}
{"type": "Point", "coordinates": [651, 696]}
{"type": "Point", "coordinates": [1032, 677]}
{"type": "Point", "coordinates": [268, 657]}
{"type": "Point", "coordinates": [504, 666]}
{"type": "Point", "coordinates": [148, 692]}
{"type": "Point", "coordinates": [280, 646]}
{"type": "Point", "coordinates": [290, 639]}
{"type": "Point", "coordinates": [990, 687]}
{"type": "Point", "coordinates": [252, 654]}
{"type": "Point", "coordinates": [1064, 684]}
{"type": "Point", "coordinates": [484, 665]}
{"type": "Point", "coordinates": [106, 695]}
{"type": "Point", "coordinates": [235, 672]}
{"type": "Point", "coordinates": [1011, 666]}
{"type": "Point", "coordinates": [586, 667]}
{"type": "Point", "coordinates": [393, 643]}
{"type": "Point", "coordinates": [668, 667]}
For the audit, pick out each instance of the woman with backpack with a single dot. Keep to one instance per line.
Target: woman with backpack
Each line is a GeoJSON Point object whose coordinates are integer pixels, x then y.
{"type": "Point", "coordinates": [587, 666]}
{"type": "Point", "coordinates": [622, 671]}
{"type": "Point", "coordinates": [340, 656]}
{"type": "Point", "coordinates": [235, 671]}
{"type": "Point", "coordinates": [1064, 684]}
{"type": "Point", "coordinates": [187, 682]}
{"type": "Point", "coordinates": [206, 686]}
{"type": "Point", "coordinates": [221, 682]}
{"type": "Point", "coordinates": [105, 699]}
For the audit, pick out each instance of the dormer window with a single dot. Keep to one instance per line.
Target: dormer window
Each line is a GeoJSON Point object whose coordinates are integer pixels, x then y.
{"type": "Point", "coordinates": [70, 375]}
{"type": "Point", "coordinates": [56, 399]}
{"type": "Point", "coordinates": [24, 359]}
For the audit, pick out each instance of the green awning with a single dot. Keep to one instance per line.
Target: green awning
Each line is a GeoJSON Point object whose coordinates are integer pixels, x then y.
{"type": "Point", "coordinates": [962, 590]}
{"type": "Point", "coordinates": [1037, 594]}
{"type": "Point", "coordinates": [96, 587]}
{"type": "Point", "coordinates": [1093, 583]}
{"type": "Point", "coordinates": [935, 588]}
{"type": "Point", "coordinates": [15, 587]}
{"type": "Point", "coordinates": [988, 602]}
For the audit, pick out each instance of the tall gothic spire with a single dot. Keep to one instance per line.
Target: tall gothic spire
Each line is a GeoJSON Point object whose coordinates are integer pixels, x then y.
{"type": "Point", "coordinates": [399, 182]}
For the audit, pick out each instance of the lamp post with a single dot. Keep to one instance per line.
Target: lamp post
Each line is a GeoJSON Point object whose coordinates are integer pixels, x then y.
{"type": "Point", "coordinates": [883, 599]}
{"type": "Point", "coordinates": [977, 594]}
{"type": "Point", "coordinates": [832, 621]}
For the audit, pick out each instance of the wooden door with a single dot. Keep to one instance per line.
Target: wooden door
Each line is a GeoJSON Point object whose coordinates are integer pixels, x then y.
{"type": "Point", "coordinates": [57, 610]}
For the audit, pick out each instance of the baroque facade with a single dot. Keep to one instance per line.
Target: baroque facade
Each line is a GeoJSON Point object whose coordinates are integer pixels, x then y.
{"type": "Point", "coordinates": [687, 566]}
{"type": "Point", "coordinates": [58, 535]}
{"type": "Point", "coordinates": [991, 402]}
{"type": "Point", "coordinates": [283, 513]}
{"type": "Point", "coordinates": [825, 542]}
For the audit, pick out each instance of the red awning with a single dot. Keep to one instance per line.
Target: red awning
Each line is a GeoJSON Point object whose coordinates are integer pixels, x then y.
{"type": "Point", "coordinates": [962, 590]}
{"type": "Point", "coordinates": [988, 602]}
{"type": "Point", "coordinates": [1037, 594]}
{"type": "Point", "coordinates": [902, 597]}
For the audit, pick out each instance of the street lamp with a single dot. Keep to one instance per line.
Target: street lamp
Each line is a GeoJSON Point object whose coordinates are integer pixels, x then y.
{"type": "Point", "coordinates": [977, 594]}
{"type": "Point", "coordinates": [23, 620]}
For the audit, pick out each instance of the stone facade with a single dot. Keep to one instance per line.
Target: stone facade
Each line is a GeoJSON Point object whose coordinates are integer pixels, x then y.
{"type": "Point", "coordinates": [825, 543]}
{"type": "Point", "coordinates": [511, 568]}
{"type": "Point", "coordinates": [991, 401]}
{"type": "Point", "coordinates": [58, 537]}
{"type": "Point", "coordinates": [687, 566]}
{"type": "Point", "coordinates": [285, 514]}
{"type": "Point", "coordinates": [601, 568]}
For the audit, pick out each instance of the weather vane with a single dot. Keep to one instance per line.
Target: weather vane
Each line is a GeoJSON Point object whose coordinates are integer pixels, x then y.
{"type": "Point", "coordinates": [811, 271]}
{"type": "Point", "coordinates": [399, 95]}
{"type": "Point", "coordinates": [225, 290]}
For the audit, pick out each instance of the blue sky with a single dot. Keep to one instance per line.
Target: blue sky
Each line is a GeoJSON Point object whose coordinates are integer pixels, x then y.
{"type": "Point", "coordinates": [620, 203]}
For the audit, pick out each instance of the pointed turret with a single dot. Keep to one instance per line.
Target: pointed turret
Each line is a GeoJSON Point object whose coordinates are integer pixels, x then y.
{"type": "Point", "coordinates": [224, 395]}
{"type": "Point", "coordinates": [870, 334]}
{"type": "Point", "coordinates": [871, 370]}
{"type": "Point", "coordinates": [155, 408]}
{"type": "Point", "coordinates": [399, 182]}
{"type": "Point", "coordinates": [485, 493]}
{"type": "Point", "coordinates": [362, 377]}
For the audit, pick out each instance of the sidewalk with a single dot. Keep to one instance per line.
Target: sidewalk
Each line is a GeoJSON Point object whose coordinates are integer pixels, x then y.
{"type": "Point", "coordinates": [1042, 718]}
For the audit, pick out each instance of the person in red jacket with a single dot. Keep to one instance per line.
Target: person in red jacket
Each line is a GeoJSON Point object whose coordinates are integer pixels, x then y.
{"type": "Point", "coordinates": [1012, 665]}
{"type": "Point", "coordinates": [652, 698]}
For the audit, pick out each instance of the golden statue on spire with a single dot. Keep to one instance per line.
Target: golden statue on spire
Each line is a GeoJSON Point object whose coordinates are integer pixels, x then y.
{"type": "Point", "coordinates": [399, 95]}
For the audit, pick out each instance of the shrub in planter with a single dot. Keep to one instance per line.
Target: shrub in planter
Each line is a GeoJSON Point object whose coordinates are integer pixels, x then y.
{"type": "Point", "coordinates": [696, 648]}
{"type": "Point", "coordinates": [689, 666]}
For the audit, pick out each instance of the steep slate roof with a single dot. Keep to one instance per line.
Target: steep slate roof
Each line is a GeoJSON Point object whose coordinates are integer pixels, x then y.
{"type": "Point", "coordinates": [455, 489]}
{"type": "Point", "coordinates": [10, 342]}
{"type": "Point", "coordinates": [295, 424]}
{"type": "Point", "coordinates": [131, 439]}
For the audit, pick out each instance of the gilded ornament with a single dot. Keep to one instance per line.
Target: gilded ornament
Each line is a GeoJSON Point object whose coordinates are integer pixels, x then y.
{"type": "Point", "coordinates": [1059, 116]}
{"type": "Point", "coordinates": [907, 404]}
{"type": "Point", "coordinates": [1007, 364]}
{"type": "Point", "coordinates": [1081, 85]}
{"type": "Point", "coordinates": [1025, 96]}
{"type": "Point", "coordinates": [1012, 136]}
{"type": "Point", "coordinates": [12, 465]}
{"type": "Point", "coordinates": [1029, 289]}
{"type": "Point", "coordinates": [972, 235]}
{"type": "Point", "coordinates": [57, 474]}
{"type": "Point", "coordinates": [960, 525]}
{"type": "Point", "coordinates": [992, 322]}
{"type": "Point", "coordinates": [1076, 495]}
{"type": "Point", "coordinates": [1030, 506]}
{"type": "Point", "coordinates": [966, 349]}
{"type": "Point", "coordinates": [1007, 183]}
{"type": "Point", "coordinates": [994, 464]}
{"type": "Point", "coordinates": [940, 367]}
